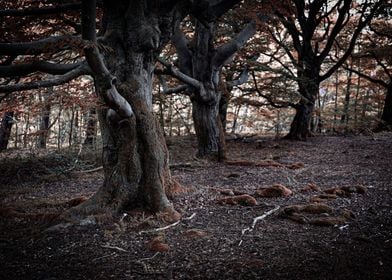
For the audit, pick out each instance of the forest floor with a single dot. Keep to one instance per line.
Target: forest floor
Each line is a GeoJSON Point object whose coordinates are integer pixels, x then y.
{"type": "Point", "coordinates": [336, 223]}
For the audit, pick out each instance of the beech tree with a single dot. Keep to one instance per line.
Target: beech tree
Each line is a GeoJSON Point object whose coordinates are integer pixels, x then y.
{"type": "Point", "coordinates": [313, 28]}
{"type": "Point", "coordinates": [122, 62]}
{"type": "Point", "coordinates": [200, 63]}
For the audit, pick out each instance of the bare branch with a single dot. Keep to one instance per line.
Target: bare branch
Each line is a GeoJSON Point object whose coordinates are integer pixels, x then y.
{"type": "Point", "coordinates": [362, 23]}
{"type": "Point", "coordinates": [184, 55]}
{"type": "Point", "coordinates": [242, 78]}
{"type": "Point", "coordinates": [227, 50]}
{"type": "Point", "coordinates": [63, 8]}
{"type": "Point", "coordinates": [167, 90]}
{"type": "Point", "coordinates": [367, 77]}
{"type": "Point", "coordinates": [51, 44]}
{"type": "Point", "coordinates": [58, 80]}
{"type": "Point", "coordinates": [179, 75]}
{"type": "Point", "coordinates": [37, 66]}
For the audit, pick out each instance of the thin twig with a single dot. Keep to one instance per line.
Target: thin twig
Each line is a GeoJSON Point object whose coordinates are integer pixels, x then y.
{"type": "Point", "coordinates": [255, 220]}
{"type": "Point", "coordinates": [168, 226]}
{"type": "Point", "coordinates": [105, 256]}
{"type": "Point", "coordinates": [114, 247]}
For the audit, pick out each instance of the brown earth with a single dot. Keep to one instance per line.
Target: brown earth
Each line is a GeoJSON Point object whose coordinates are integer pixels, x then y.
{"type": "Point", "coordinates": [344, 233]}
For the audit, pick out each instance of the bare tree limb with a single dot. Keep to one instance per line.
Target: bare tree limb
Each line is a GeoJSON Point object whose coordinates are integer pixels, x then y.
{"type": "Point", "coordinates": [37, 66]}
{"type": "Point", "coordinates": [33, 11]}
{"type": "Point", "coordinates": [363, 21]}
{"type": "Point", "coordinates": [179, 75]}
{"type": "Point", "coordinates": [58, 80]}
{"type": "Point", "coordinates": [367, 77]}
{"type": "Point", "coordinates": [227, 50]}
{"type": "Point", "coordinates": [50, 44]}
{"type": "Point", "coordinates": [184, 55]}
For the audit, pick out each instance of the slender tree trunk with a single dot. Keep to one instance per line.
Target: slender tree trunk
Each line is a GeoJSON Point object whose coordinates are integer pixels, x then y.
{"type": "Point", "coordinates": [345, 116]}
{"type": "Point", "coordinates": [71, 127]}
{"type": "Point", "coordinates": [5, 129]}
{"type": "Point", "coordinates": [27, 129]}
{"type": "Point", "coordinates": [335, 111]}
{"type": "Point", "coordinates": [386, 117]}
{"type": "Point", "coordinates": [91, 128]}
{"type": "Point", "coordinates": [44, 125]}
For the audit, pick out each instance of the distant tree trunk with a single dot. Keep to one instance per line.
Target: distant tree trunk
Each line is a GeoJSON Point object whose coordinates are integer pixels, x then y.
{"type": "Point", "coordinates": [386, 117]}
{"type": "Point", "coordinates": [27, 129]}
{"type": "Point", "coordinates": [91, 128]}
{"type": "Point", "coordinates": [44, 125]}
{"type": "Point", "coordinates": [203, 62]}
{"type": "Point", "coordinates": [208, 129]}
{"type": "Point", "coordinates": [308, 88]}
{"type": "Point", "coordinates": [5, 129]}
{"type": "Point", "coordinates": [59, 131]}
{"type": "Point", "coordinates": [345, 116]}
{"type": "Point", "coordinates": [299, 129]}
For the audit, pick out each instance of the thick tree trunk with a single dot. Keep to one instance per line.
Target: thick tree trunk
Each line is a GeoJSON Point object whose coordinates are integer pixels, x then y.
{"type": "Point", "coordinates": [386, 117]}
{"type": "Point", "coordinates": [299, 129]}
{"type": "Point", "coordinates": [300, 126]}
{"type": "Point", "coordinates": [208, 128]}
{"type": "Point", "coordinates": [5, 129]}
{"type": "Point", "coordinates": [135, 156]}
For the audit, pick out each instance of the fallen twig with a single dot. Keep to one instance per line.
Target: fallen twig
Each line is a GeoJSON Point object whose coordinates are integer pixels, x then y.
{"type": "Point", "coordinates": [114, 247]}
{"type": "Point", "coordinates": [168, 226]}
{"type": "Point", "coordinates": [90, 170]}
{"type": "Point", "coordinates": [105, 256]}
{"type": "Point", "coordinates": [255, 220]}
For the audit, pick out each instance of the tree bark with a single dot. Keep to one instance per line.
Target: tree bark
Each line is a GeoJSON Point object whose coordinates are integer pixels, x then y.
{"type": "Point", "coordinates": [299, 129]}
{"type": "Point", "coordinates": [135, 156]}
{"type": "Point", "coordinates": [5, 129]}
{"type": "Point", "coordinates": [300, 126]}
{"type": "Point", "coordinates": [386, 117]}
{"type": "Point", "coordinates": [208, 128]}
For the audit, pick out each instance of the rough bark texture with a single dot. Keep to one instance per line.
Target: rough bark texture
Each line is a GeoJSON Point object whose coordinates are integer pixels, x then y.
{"type": "Point", "coordinates": [201, 60]}
{"type": "Point", "coordinates": [135, 157]}
{"type": "Point", "coordinates": [386, 117]}
{"type": "Point", "coordinates": [205, 103]}
{"type": "Point", "coordinates": [5, 129]}
{"type": "Point", "coordinates": [308, 88]}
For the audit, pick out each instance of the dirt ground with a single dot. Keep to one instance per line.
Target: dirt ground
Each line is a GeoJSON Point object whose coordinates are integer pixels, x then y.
{"type": "Point", "coordinates": [328, 216]}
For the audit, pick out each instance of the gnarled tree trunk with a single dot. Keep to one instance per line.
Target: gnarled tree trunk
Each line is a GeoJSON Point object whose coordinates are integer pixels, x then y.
{"type": "Point", "coordinates": [135, 156]}
{"type": "Point", "coordinates": [300, 126]}
{"type": "Point", "coordinates": [203, 62]}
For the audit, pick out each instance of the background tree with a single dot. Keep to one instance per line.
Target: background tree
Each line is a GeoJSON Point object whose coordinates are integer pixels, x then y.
{"type": "Point", "coordinates": [313, 28]}
{"type": "Point", "coordinates": [200, 63]}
